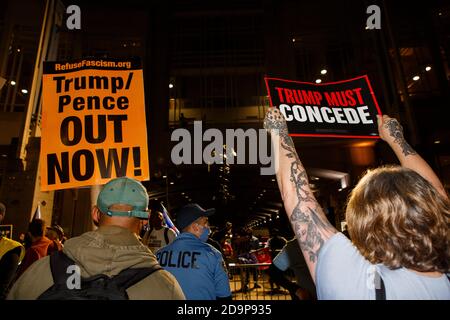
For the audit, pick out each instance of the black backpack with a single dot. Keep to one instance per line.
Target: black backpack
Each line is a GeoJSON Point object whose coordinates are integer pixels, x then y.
{"type": "Point", "coordinates": [98, 287]}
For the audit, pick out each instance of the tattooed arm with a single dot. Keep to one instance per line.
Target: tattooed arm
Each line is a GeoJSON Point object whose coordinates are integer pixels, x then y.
{"type": "Point", "coordinates": [391, 131]}
{"type": "Point", "coordinates": [307, 218]}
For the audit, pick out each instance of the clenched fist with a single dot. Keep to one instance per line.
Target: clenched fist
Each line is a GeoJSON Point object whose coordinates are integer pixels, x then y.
{"type": "Point", "coordinates": [391, 131]}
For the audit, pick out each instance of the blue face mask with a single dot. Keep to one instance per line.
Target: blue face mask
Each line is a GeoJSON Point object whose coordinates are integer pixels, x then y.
{"type": "Point", "coordinates": [205, 234]}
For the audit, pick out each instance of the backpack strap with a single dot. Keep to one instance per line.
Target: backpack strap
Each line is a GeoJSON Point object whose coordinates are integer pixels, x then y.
{"type": "Point", "coordinates": [380, 293]}
{"type": "Point", "coordinates": [129, 277]}
{"type": "Point", "coordinates": [59, 262]}
{"type": "Point", "coordinates": [166, 235]}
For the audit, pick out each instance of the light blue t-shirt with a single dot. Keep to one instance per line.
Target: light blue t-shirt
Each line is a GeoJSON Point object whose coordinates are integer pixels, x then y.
{"type": "Point", "coordinates": [198, 267]}
{"type": "Point", "coordinates": [343, 273]}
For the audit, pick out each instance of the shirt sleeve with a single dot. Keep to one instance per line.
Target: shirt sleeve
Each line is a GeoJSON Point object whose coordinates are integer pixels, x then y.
{"type": "Point", "coordinates": [221, 281]}
{"type": "Point", "coordinates": [342, 272]}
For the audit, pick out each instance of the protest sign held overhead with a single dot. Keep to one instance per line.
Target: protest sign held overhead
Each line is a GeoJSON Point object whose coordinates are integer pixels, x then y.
{"type": "Point", "coordinates": [345, 109]}
{"type": "Point", "coordinates": [93, 123]}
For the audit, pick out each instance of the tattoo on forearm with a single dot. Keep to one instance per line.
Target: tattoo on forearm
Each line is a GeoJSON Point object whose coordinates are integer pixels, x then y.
{"type": "Point", "coordinates": [396, 132]}
{"type": "Point", "coordinates": [308, 222]}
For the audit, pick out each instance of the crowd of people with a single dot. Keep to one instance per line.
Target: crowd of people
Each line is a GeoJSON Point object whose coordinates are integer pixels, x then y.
{"type": "Point", "coordinates": [16, 257]}
{"type": "Point", "coordinates": [397, 219]}
{"type": "Point", "coordinates": [177, 254]}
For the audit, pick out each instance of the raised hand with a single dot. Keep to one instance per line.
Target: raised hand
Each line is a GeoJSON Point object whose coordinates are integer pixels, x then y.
{"type": "Point", "coordinates": [391, 131]}
{"type": "Point", "coordinates": [305, 214]}
{"type": "Point", "coordinates": [275, 120]}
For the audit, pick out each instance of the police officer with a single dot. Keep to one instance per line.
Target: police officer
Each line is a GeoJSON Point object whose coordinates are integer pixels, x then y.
{"type": "Point", "coordinates": [198, 267]}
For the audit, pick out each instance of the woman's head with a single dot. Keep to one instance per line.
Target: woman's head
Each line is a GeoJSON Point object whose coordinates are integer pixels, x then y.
{"type": "Point", "coordinates": [397, 218]}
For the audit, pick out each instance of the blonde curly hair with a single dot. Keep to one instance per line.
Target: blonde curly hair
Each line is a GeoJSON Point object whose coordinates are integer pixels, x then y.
{"type": "Point", "coordinates": [397, 218]}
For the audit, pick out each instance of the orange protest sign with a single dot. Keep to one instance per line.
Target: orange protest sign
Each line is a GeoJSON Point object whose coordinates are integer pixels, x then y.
{"type": "Point", "coordinates": [93, 123]}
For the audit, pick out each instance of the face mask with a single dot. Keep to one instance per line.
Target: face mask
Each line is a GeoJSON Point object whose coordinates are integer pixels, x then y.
{"type": "Point", "coordinates": [205, 234]}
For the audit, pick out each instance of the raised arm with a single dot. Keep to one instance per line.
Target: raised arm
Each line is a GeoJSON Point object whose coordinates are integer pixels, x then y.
{"type": "Point", "coordinates": [391, 131]}
{"type": "Point", "coordinates": [308, 221]}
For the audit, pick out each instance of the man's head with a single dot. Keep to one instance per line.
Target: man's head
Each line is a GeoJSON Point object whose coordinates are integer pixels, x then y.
{"type": "Point", "coordinates": [397, 218]}
{"type": "Point", "coordinates": [36, 228]}
{"type": "Point", "coordinates": [51, 234]}
{"type": "Point", "coordinates": [55, 232]}
{"type": "Point", "coordinates": [156, 216]}
{"type": "Point", "coordinates": [123, 202]}
{"type": "Point", "coordinates": [194, 219]}
{"type": "Point", "coordinates": [2, 211]}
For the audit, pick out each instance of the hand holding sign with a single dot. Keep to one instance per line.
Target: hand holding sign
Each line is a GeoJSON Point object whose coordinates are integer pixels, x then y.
{"type": "Point", "coordinates": [391, 131]}
{"type": "Point", "coordinates": [386, 125]}
{"type": "Point", "coordinates": [275, 120]}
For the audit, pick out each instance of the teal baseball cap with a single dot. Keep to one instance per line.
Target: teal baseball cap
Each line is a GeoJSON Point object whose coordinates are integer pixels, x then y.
{"type": "Point", "coordinates": [124, 190]}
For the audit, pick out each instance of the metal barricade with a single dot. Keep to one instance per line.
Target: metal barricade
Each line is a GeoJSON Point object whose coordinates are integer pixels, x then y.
{"type": "Point", "coordinates": [251, 282]}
